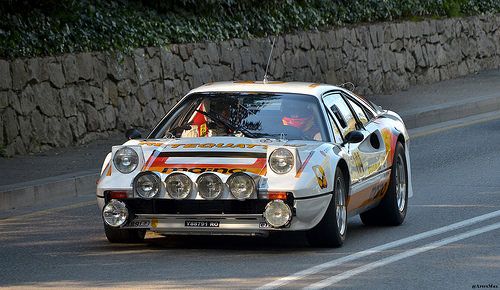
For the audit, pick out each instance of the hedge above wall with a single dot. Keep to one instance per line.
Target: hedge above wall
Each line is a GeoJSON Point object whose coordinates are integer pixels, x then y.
{"type": "Point", "coordinates": [52, 27]}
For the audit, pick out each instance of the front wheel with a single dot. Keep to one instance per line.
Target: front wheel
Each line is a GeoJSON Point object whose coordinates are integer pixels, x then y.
{"type": "Point", "coordinates": [393, 207]}
{"type": "Point", "coordinates": [331, 230]}
{"type": "Point", "coordinates": [116, 235]}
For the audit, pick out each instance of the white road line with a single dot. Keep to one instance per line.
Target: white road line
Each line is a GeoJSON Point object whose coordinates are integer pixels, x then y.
{"type": "Point", "coordinates": [408, 253]}
{"type": "Point", "coordinates": [453, 124]}
{"type": "Point", "coordinates": [321, 267]}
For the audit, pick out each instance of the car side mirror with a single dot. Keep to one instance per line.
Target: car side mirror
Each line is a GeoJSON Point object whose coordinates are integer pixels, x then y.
{"type": "Point", "coordinates": [133, 134]}
{"type": "Point", "coordinates": [353, 137]}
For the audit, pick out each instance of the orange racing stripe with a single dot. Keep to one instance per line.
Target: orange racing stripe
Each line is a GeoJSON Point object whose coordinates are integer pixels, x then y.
{"type": "Point", "coordinates": [299, 172]}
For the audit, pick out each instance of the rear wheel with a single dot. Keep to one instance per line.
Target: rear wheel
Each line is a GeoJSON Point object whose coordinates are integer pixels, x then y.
{"type": "Point", "coordinates": [116, 235]}
{"type": "Point", "coordinates": [394, 205]}
{"type": "Point", "coordinates": [331, 230]}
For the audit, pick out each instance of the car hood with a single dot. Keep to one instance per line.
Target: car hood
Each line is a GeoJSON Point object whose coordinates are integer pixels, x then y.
{"type": "Point", "coordinates": [220, 154]}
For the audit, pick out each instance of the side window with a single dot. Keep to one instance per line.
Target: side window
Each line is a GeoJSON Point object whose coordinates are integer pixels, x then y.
{"type": "Point", "coordinates": [339, 108]}
{"type": "Point", "coordinates": [369, 114]}
{"type": "Point", "coordinates": [336, 133]}
{"type": "Point", "coordinates": [359, 112]}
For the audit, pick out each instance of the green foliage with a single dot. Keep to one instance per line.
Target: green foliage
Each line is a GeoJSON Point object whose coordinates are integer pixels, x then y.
{"type": "Point", "coordinates": [453, 7]}
{"type": "Point", "coordinates": [48, 27]}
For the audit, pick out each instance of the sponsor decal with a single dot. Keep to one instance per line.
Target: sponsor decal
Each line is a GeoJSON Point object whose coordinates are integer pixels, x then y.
{"type": "Point", "coordinates": [151, 143]}
{"type": "Point", "coordinates": [139, 224]}
{"type": "Point", "coordinates": [109, 170]}
{"type": "Point", "coordinates": [320, 176]}
{"type": "Point", "coordinates": [390, 143]}
{"type": "Point", "coordinates": [203, 130]}
{"type": "Point", "coordinates": [204, 145]}
{"type": "Point", "coordinates": [214, 145]}
{"type": "Point", "coordinates": [165, 162]}
{"type": "Point", "coordinates": [299, 172]}
{"type": "Point", "coordinates": [208, 154]}
{"type": "Point", "coordinates": [199, 170]}
{"type": "Point", "coordinates": [106, 171]}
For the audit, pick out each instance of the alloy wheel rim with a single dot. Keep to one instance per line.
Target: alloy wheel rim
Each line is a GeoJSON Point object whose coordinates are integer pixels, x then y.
{"type": "Point", "coordinates": [400, 184]}
{"type": "Point", "coordinates": [341, 211]}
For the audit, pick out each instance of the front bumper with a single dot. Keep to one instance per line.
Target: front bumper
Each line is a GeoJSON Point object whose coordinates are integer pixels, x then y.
{"type": "Point", "coordinates": [217, 217]}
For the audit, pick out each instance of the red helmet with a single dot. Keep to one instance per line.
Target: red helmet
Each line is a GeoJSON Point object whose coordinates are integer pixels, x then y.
{"type": "Point", "coordinates": [300, 123]}
{"type": "Point", "coordinates": [297, 115]}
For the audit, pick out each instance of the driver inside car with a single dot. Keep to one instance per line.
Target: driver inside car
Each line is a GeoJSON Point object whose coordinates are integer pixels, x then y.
{"type": "Point", "coordinates": [301, 117]}
{"type": "Point", "coordinates": [202, 126]}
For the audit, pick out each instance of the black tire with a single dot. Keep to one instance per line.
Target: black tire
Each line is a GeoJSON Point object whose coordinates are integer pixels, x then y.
{"type": "Point", "coordinates": [115, 235]}
{"type": "Point", "coordinates": [327, 233]}
{"type": "Point", "coordinates": [388, 212]}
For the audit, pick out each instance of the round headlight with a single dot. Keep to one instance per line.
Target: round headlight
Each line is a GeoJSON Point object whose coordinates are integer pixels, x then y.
{"type": "Point", "coordinates": [209, 186]}
{"type": "Point", "coordinates": [115, 213]}
{"type": "Point", "coordinates": [147, 184]}
{"type": "Point", "coordinates": [126, 160]}
{"type": "Point", "coordinates": [241, 185]}
{"type": "Point", "coordinates": [277, 213]}
{"type": "Point", "coordinates": [178, 185]}
{"type": "Point", "coordinates": [281, 161]}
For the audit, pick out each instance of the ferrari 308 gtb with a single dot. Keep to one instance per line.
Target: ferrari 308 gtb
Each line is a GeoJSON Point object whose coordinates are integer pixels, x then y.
{"type": "Point", "coordinates": [251, 158]}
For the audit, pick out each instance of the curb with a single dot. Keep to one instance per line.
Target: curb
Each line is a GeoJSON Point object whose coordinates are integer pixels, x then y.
{"type": "Point", "coordinates": [43, 191]}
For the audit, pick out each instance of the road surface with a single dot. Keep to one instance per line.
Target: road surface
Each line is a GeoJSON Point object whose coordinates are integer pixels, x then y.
{"type": "Point", "coordinates": [450, 239]}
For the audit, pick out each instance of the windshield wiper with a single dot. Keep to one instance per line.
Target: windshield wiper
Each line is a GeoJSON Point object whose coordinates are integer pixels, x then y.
{"type": "Point", "coordinates": [227, 124]}
{"type": "Point", "coordinates": [173, 131]}
{"type": "Point", "coordinates": [277, 136]}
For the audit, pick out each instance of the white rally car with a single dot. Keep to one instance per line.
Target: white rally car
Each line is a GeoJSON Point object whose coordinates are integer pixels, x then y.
{"type": "Point", "coordinates": [250, 158]}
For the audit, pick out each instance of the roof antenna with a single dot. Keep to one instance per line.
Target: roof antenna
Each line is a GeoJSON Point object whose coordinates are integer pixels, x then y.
{"type": "Point", "coordinates": [268, 61]}
{"type": "Point", "coordinates": [345, 85]}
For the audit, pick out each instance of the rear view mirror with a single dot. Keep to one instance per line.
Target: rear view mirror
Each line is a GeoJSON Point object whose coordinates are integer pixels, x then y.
{"type": "Point", "coordinates": [133, 134]}
{"type": "Point", "coordinates": [353, 137]}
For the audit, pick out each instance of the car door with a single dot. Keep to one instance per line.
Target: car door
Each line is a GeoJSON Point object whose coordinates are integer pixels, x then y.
{"type": "Point", "coordinates": [345, 123]}
{"type": "Point", "coordinates": [366, 158]}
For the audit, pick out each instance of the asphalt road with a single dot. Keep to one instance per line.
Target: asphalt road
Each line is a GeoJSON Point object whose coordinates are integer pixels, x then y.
{"type": "Point", "coordinates": [456, 179]}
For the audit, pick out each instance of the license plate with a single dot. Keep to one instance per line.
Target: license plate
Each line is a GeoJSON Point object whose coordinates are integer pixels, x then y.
{"type": "Point", "coordinates": [202, 224]}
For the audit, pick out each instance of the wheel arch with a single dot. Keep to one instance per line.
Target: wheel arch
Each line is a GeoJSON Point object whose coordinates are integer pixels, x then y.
{"type": "Point", "coordinates": [401, 138]}
{"type": "Point", "coordinates": [342, 166]}
{"type": "Point", "coordinates": [405, 144]}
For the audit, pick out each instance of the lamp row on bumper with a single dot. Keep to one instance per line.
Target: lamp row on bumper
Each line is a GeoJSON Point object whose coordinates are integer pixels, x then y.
{"type": "Point", "coordinates": [179, 186]}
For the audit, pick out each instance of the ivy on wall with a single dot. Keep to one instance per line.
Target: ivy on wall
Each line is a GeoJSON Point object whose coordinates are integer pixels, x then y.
{"type": "Point", "coordinates": [51, 27]}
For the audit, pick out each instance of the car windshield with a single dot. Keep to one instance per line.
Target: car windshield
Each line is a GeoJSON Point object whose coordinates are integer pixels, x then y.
{"type": "Point", "coordinates": [255, 115]}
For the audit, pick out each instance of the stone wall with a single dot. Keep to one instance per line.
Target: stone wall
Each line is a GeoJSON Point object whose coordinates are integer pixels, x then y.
{"type": "Point", "coordinates": [75, 98]}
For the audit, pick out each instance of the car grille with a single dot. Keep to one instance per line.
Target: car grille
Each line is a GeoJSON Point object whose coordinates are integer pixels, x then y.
{"type": "Point", "coordinates": [168, 206]}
